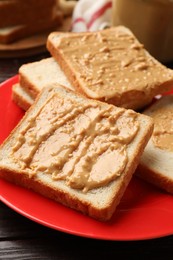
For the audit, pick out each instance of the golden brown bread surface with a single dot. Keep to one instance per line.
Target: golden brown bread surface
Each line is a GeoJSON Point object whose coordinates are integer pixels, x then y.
{"type": "Point", "coordinates": [110, 65]}
{"type": "Point", "coordinates": [99, 202]}
{"type": "Point", "coordinates": [156, 164]}
{"type": "Point", "coordinates": [11, 12]}
{"type": "Point", "coordinates": [20, 19]}
{"type": "Point", "coordinates": [46, 25]}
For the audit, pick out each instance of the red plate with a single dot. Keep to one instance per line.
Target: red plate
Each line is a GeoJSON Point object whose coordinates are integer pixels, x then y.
{"type": "Point", "coordinates": [145, 212]}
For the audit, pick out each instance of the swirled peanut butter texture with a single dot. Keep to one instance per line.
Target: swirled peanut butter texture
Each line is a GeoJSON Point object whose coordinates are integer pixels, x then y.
{"type": "Point", "coordinates": [163, 130]}
{"type": "Point", "coordinates": [84, 144]}
{"type": "Point", "coordinates": [110, 63]}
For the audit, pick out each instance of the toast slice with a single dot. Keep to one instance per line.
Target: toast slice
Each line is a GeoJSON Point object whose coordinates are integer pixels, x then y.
{"type": "Point", "coordinates": [110, 65]}
{"type": "Point", "coordinates": [77, 151]}
{"type": "Point", "coordinates": [14, 12]}
{"type": "Point", "coordinates": [21, 97]}
{"type": "Point", "coordinates": [46, 25]}
{"type": "Point", "coordinates": [156, 165]}
{"type": "Point", "coordinates": [34, 76]}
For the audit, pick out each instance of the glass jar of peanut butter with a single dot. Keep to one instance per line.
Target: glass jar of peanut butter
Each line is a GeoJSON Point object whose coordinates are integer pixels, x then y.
{"type": "Point", "coordinates": [151, 21]}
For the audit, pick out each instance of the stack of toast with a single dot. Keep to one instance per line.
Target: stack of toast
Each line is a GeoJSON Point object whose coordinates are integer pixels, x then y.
{"type": "Point", "coordinates": [20, 19]}
{"type": "Point", "coordinates": [116, 69]}
{"type": "Point", "coordinates": [84, 132]}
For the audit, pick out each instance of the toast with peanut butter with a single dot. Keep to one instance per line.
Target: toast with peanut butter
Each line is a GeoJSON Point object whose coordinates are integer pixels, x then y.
{"type": "Point", "coordinates": [156, 164]}
{"type": "Point", "coordinates": [77, 151]}
{"type": "Point", "coordinates": [110, 65]}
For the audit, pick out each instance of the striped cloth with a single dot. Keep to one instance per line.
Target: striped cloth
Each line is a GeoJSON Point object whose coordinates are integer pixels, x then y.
{"type": "Point", "coordinates": [91, 15]}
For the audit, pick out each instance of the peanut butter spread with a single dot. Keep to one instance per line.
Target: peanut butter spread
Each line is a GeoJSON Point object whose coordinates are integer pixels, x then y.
{"type": "Point", "coordinates": [163, 127]}
{"type": "Point", "coordinates": [82, 143]}
{"type": "Point", "coordinates": [111, 62]}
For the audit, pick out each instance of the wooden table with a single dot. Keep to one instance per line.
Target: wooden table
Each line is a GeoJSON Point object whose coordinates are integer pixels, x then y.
{"type": "Point", "coordinates": [21, 238]}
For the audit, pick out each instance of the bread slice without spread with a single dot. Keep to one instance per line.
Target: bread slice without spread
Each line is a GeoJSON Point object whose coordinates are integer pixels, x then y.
{"type": "Point", "coordinates": [110, 65]}
{"type": "Point", "coordinates": [46, 25]}
{"type": "Point", "coordinates": [14, 12]}
{"type": "Point", "coordinates": [76, 142]}
{"type": "Point", "coordinates": [156, 165]}
{"type": "Point", "coordinates": [34, 76]}
{"type": "Point", "coordinates": [21, 97]}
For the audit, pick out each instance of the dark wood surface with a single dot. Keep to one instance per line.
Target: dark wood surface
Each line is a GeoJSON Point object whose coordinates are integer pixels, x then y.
{"type": "Point", "coordinates": [21, 238]}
